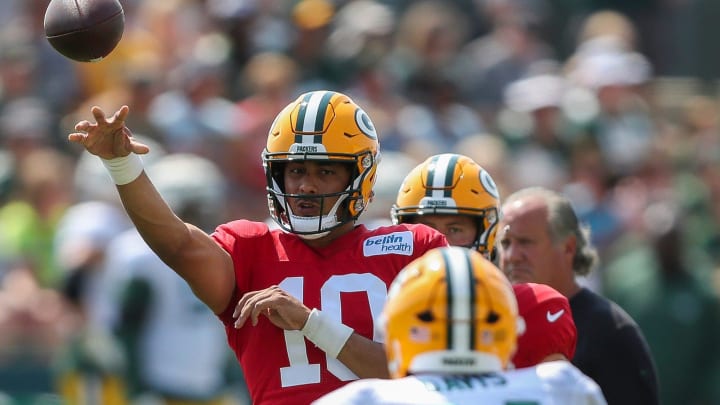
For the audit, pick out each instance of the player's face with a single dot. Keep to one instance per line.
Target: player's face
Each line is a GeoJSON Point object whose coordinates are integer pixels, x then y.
{"type": "Point", "coordinates": [460, 230]}
{"type": "Point", "coordinates": [314, 178]}
{"type": "Point", "coordinates": [526, 252]}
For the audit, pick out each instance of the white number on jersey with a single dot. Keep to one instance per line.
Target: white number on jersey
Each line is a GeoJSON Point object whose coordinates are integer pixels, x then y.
{"type": "Point", "coordinates": [300, 371]}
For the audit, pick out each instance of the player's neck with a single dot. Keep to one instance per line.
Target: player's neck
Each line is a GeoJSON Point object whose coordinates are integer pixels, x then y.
{"type": "Point", "coordinates": [328, 239]}
{"type": "Point", "coordinates": [571, 289]}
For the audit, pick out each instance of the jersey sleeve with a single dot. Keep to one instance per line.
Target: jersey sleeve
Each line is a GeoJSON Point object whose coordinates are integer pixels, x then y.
{"type": "Point", "coordinates": [236, 238]}
{"type": "Point", "coordinates": [549, 324]}
{"type": "Point", "coordinates": [227, 235]}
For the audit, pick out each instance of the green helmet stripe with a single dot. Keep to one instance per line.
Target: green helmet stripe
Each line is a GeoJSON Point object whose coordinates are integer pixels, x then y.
{"type": "Point", "coordinates": [461, 299]}
{"type": "Point", "coordinates": [440, 175]}
{"type": "Point", "coordinates": [311, 115]}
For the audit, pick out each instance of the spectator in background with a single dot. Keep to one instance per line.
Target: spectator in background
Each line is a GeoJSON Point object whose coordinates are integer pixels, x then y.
{"type": "Point", "coordinates": [194, 114]}
{"type": "Point", "coordinates": [703, 215]}
{"type": "Point", "coordinates": [429, 37]}
{"type": "Point", "coordinates": [312, 27]}
{"type": "Point", "coordinates": [616, 77]}
{"type": "Point", "coordinates": [491, 62]}
{"type": "Point", "coordinates": [658, 278]}
{"type": "Point", "coordinates": [436, 119]}
{"type": "Point", "coordinates": [542, 241]}
{"type": "Point", "coordinates": [608, 23]}
{"type": "Point", "coordinates": [360, 46]}
{"type": "Point", "coordinates": [450, 325]}
{"type": "Point", "coordinates": [35, 324]}
{"type": "Point", "coordinates": [34, 318]}
{"type": "Point", "coordinates": [533, 124]}
{"type": "Point", "coordinates": [30, 67]}
{"type": "Point", "coordinates": [25, 126]}
{"type": "Point", "coordinates": [29, 219]}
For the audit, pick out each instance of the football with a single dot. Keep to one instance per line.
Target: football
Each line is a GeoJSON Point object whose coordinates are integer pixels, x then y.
{"type": "Point", "coordinates": [84, 30]}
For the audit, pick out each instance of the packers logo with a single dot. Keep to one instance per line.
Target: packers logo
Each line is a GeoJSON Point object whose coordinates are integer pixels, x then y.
{"type": "Point", "coordinates": [362, 120]}
{"type": "Point", "coordinates": [489, 184]}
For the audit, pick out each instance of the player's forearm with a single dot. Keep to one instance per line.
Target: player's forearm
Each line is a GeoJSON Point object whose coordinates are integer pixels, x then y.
{"type": "Point", "coordinates": [161, 229]}
{"type": "Point", "coordinates": [364, 357]}
{"type": "Point", "coordinates": [188, 250]}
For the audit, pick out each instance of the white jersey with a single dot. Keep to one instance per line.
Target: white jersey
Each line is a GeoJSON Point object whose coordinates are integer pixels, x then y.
{"type": "Point", "coordinates": [183, 345]}
{"type": "Point", "coordinates": [85, 230]}
{"type": "Point", "coordinates": [551, 383]}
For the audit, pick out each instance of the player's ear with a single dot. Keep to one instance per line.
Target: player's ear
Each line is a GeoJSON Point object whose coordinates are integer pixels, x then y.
{"type": "Point", "coordinates": [570, 245]}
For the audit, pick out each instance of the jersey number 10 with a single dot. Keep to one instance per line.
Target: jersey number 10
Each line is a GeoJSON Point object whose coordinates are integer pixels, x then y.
{"type": "Point", "coordinates": [300, 371]}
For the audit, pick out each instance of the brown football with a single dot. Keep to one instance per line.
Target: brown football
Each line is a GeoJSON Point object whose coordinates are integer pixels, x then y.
{"type": "Point", "coordinates": [84, 30]}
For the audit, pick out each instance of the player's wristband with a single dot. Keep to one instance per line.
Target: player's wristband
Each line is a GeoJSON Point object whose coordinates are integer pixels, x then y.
{"type": "Point", "coordinates": [326, 333]}
{"type": "Point", "coordinates": [124, 170]}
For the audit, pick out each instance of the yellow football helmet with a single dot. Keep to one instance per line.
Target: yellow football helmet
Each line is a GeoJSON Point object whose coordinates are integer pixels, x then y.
{"type": "Point", "coordinates": [449, 311]}
{"type": "Point", "coordinates": [451, 184]}
{"type": "Point", "coordinates": [321, 125]}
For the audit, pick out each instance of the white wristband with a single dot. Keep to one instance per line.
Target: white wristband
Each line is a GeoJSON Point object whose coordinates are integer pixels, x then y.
{"type": "Point", "coordinates": [326, 333]}
{"type": "Point", "coordinates": [124, 170]}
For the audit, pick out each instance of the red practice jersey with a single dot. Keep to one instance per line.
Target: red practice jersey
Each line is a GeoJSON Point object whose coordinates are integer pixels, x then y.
{"type": "Point", "coordinates": [348, 280]}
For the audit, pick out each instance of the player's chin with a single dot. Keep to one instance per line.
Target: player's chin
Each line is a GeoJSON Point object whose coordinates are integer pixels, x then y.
{"type": "Point", "coordinates": [520, 276]}
{"type": "Point", "coordinates": [304, 211]}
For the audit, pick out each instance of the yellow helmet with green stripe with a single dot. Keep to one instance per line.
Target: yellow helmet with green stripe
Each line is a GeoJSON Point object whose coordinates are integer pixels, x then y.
{"type": "Point", "coordinates": [451, 184]}
{"type": "Point", "coordinates": [323, 126]}
{"type": "Point", "coordinates": [449, 311]}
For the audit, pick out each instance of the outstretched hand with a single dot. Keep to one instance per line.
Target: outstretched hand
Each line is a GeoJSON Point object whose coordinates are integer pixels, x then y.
{"type": "Point", "coordinates": [107, 138]}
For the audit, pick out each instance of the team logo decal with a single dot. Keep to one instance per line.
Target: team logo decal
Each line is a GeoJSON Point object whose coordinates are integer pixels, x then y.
{"type": "Point", "coordinates": [364, 123]}
{"type": "Point", "coordinates": [489, 184]}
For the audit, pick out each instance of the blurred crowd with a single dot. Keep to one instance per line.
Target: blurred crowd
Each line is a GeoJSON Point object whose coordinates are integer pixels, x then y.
{"type": "Point", "coordinates": [614, 103]}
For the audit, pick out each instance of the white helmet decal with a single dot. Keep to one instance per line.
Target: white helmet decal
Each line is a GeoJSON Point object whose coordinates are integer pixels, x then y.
{"type": "Point", "coordinates": [365, 124]}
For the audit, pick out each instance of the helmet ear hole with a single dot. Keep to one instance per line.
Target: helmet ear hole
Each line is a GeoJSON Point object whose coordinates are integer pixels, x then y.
{"type": "Point", "coordinates": [426, 316]}
{"type": "Point", "coordinates": [492, 317]}
{"type": "Point", "coordinates": [278, 174]}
